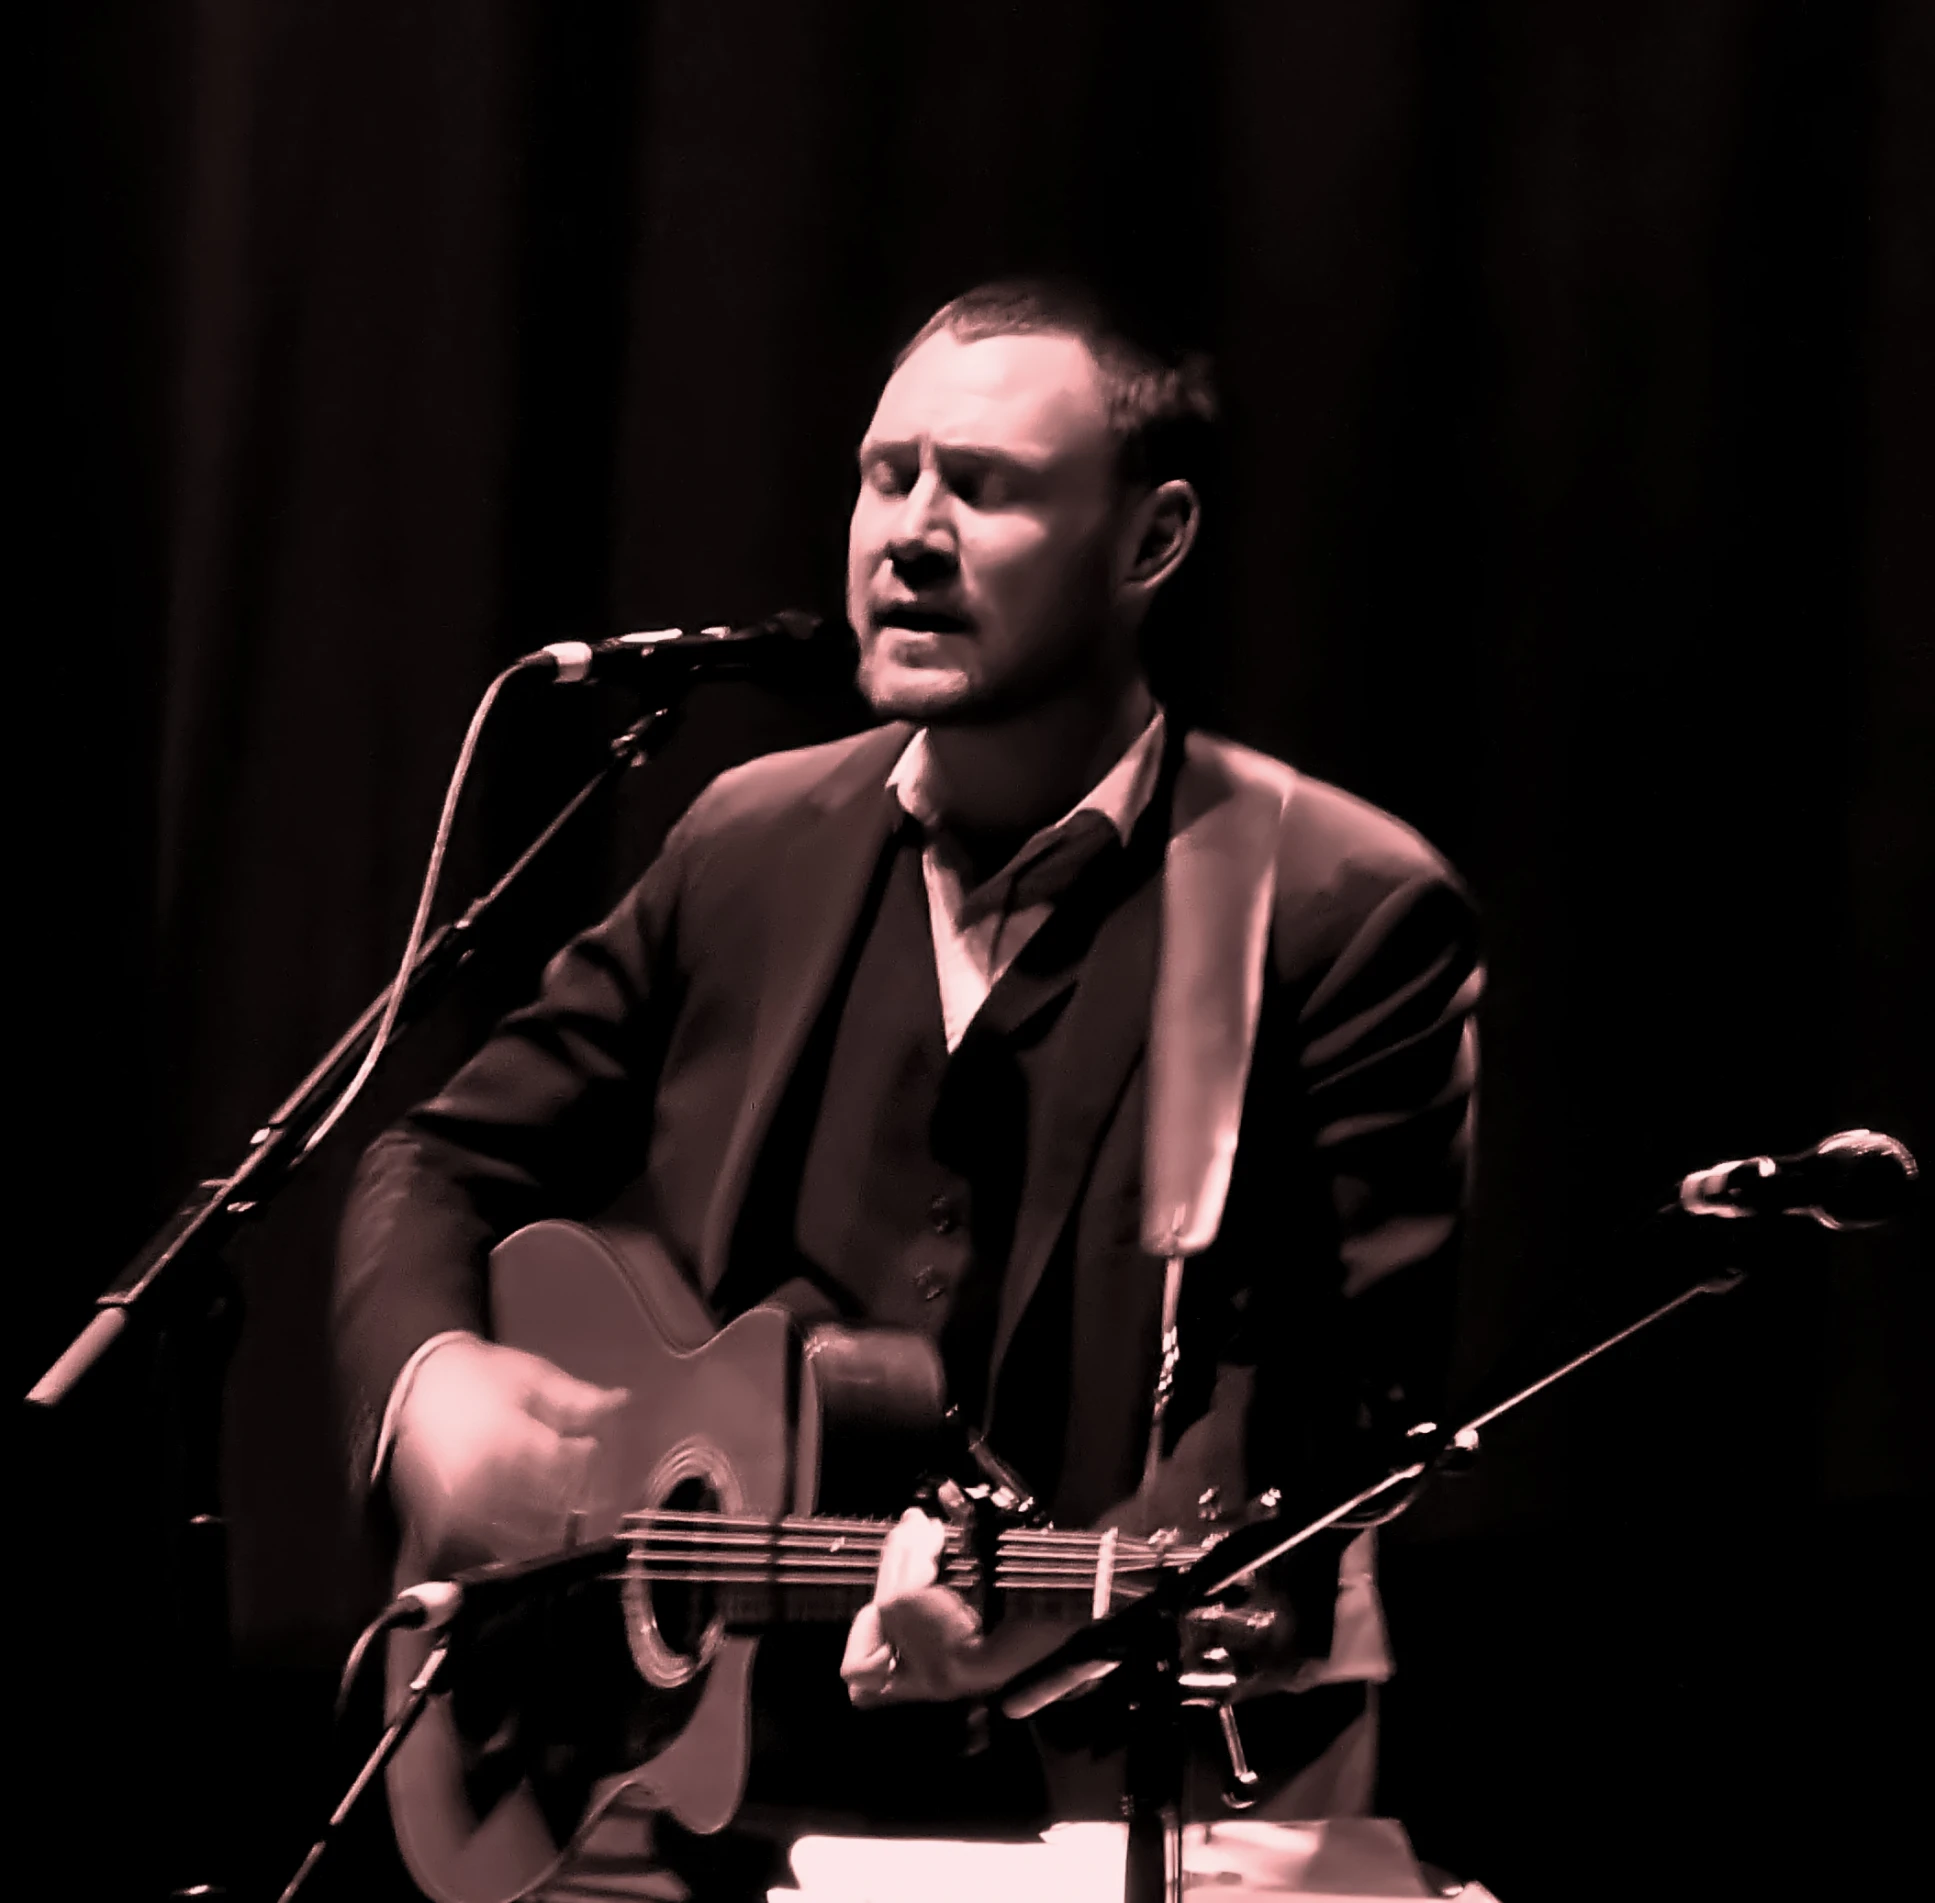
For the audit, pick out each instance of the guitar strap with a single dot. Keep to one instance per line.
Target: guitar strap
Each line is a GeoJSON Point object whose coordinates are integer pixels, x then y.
{"type": "Point", "coordinates": [1219, 881]}
{"type": "Point", "coordinates": [1218, 898]}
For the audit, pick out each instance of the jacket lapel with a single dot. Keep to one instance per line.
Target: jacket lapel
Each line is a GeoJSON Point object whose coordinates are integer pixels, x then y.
{"type": "Point", "coordinates": [818, 884]}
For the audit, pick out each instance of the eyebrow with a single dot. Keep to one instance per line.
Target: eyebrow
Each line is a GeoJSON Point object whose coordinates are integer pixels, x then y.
{"type": "Point", "coordinates": [973, 453]}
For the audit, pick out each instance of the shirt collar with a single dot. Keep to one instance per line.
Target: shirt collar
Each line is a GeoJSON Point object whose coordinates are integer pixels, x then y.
{"type": "Point", "coordinates": [1121, 796]}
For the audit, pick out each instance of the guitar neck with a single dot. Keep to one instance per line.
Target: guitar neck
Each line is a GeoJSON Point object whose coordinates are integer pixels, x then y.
{"type": "Point", "coordinates": [763, 1572]}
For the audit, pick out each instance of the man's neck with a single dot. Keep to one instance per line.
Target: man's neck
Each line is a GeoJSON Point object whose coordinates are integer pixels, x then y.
{"type": "Point", "coordinates": [1006, 780]}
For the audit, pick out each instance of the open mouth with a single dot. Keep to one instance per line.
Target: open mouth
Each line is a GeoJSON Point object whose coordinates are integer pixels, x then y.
{"type": "Point", "coordinates": [921, 620]}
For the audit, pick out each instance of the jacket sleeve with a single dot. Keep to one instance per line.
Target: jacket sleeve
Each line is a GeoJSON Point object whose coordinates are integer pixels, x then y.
{"type": "Point", "coordinates": [1388, 1054]}
{"type": "Point", "coordinates": [549, 1118]}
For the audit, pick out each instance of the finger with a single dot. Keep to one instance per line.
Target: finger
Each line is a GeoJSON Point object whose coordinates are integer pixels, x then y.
{"type": "Point", "coordinates": [932, 1619]}
{"type": "Point", "coordinates": [935, 1637]}
{"type": "Point", "coordinates": [529, 1492]}
{"type": "Point", "coordinates": [494, 1495]}
{"type": "Point", "coordinates": [944, 1654]}
{"type": "Point", "coordinates": [868, 1662]}
{"type": "Point", "coordinates": [871, 1692]}
{"type": "Point", "coordinates": [568, 1463]}
{"type": "Point", "coordinates": [910, 1556]}
{"type": "Point", "coordinates": [867, 1648]}
{"type": "Point", "coordinates": [909, 1563]}
{"type": "Point", "coordinates": [567, 1405]}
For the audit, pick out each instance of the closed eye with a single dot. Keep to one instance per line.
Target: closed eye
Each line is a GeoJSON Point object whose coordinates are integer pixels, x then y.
{"type": "Point", "coordinates": [978, 478]}
{"type": "Point", "coordinates": [889, 472]}
{"type": "Point", "coordinates": [985, 480]}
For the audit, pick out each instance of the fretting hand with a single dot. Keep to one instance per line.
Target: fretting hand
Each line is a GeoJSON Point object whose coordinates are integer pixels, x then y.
{"type": "Point", "coordinates": [917, 1641]}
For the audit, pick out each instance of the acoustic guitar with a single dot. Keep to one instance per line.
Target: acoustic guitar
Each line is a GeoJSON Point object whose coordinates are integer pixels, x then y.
{"type": "Point", "coordinates": [729, 1495]}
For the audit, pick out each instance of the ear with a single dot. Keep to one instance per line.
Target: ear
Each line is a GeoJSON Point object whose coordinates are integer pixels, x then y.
{"type": "Point", "coordinates": [1161, 530]}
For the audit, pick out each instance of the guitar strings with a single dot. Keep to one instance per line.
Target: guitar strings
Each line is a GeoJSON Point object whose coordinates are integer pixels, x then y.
{"type": "Point", "coordinates": [830, 1532]}
{"type": "Point", "coordinates": [748, 1553]}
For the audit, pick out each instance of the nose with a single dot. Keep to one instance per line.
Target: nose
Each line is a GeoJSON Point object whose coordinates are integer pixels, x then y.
{"type": "Point", "coordinates": [919, 522]}
{"type": "Point", "coordinates": [920, 539]}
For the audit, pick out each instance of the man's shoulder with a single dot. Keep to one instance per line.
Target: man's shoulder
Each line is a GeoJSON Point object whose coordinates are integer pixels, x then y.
{"type": "Point", "coordinates": [1327, 832]}
{"type": "Point", "coordinates": [1343, 862]}
{"type": "Point", "coordinates": [778, 787]}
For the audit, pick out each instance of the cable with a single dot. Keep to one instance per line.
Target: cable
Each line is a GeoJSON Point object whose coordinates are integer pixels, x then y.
{"type": "Point", "coordinates": [385, 1621]}
{"type": "Point", "coordinates": [431, 1602]}
{"type": "Point", "coordinates": [426, 897]}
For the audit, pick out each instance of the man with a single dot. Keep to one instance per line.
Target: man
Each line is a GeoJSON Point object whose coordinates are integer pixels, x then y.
{"type": "Point", "coordinates": [876, 1023]}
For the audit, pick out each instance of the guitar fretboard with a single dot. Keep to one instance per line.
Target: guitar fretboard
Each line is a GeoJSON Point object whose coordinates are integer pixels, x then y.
{"type": "Point", "coordinates": [763, 1571]}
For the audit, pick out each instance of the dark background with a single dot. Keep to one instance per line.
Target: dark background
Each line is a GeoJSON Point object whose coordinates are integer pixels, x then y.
{"type": "Point", "coordinates": [1578, 370]}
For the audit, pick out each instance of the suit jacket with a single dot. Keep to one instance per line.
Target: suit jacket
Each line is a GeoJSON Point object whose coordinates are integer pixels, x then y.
{"type": "Point", "coordinates": [646, 1075]}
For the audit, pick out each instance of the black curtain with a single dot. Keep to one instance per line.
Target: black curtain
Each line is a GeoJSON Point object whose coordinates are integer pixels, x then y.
{"type": "Point", "coordinates": [1577, 509]}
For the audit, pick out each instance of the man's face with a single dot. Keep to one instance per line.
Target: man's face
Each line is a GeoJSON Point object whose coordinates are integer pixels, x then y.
{"type": "Point", "coordinates": [980, 561]}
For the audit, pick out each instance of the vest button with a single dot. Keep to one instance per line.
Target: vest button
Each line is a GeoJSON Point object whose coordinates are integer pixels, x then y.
{"type": "Point", "coordinates": [931, 1283]}
{"type": "Point", "coordinates": [944, 1214]}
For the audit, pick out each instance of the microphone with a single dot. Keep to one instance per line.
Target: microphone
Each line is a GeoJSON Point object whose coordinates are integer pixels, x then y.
{"type": "Point", "coordinates": [1856, 1179]}
{"type": "Point", "coordinates": [787, 641]}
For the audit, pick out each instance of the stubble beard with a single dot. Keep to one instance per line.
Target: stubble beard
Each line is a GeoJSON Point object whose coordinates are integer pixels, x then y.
{"type": "Point", "coordinates": [1074, 665]}
{"type": "Point", "coordinates": [927, 696]}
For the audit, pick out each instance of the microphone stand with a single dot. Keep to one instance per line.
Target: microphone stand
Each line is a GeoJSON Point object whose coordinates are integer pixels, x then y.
{"type": "Point", "coordinates": [1145, 1637]}
{"type": "Point", "coordinates": [180, 1286]}
{"type": "Point", "coordinates": [421, 1687]}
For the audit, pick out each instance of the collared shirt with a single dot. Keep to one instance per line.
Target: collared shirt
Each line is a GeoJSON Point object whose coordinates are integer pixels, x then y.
{"type": "Point", "coordinates": [980, 930]}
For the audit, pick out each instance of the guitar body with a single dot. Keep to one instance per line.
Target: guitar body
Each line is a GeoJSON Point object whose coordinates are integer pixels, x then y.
{"type": "Point", "coordinates": [563, 1734]}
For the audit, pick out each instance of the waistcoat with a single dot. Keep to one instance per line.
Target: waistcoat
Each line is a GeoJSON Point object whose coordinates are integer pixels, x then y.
{"type": "Point", "coordinates": [903, 1167]}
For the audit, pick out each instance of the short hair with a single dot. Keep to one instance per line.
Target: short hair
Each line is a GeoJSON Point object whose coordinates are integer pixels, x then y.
{"type": "Point", "coordinates": [1161, 402]}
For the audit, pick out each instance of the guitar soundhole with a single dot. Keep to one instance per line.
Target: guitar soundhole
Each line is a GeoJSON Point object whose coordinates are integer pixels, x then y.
{"type": "Point", "coordinates": [672, 1617]}
{"type": "Point", "coordinates": [685, 1609]}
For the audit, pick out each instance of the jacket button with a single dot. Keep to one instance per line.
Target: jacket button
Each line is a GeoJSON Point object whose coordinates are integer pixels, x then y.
{"type": "Point", "coordinates": [931, 1283]}
{"type": "Point", "coordinates": [944, 1214]}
